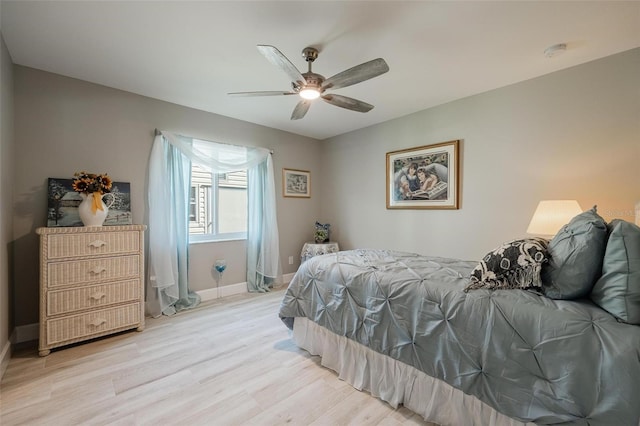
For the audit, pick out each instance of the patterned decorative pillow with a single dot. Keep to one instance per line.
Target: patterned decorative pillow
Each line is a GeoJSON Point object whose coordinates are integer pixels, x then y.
{"type": "Point", "coordinates": [514, 265]}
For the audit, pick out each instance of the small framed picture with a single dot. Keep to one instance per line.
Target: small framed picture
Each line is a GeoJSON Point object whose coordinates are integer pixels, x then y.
{"type": "Point", "coordinates": [296, 183]}
{"type": "Point", "coordinates": [424, 177]}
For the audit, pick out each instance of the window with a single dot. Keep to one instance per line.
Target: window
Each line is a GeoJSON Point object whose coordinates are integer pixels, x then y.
{"type": "Point", "coordinates": [193, 202]}
{"type": "Point", "coordinates": [218, 205]}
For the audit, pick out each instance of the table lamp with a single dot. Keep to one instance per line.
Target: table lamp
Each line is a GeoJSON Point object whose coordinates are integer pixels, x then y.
{"type": "Point", "coordinates": [551, 215]}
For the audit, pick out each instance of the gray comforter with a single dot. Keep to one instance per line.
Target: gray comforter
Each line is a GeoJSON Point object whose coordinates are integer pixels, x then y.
{"type": "Point", "coordinates": [527, 356]}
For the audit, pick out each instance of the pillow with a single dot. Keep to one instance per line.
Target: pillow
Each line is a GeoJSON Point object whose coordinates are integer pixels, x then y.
{"type": "Point", "coordinates": [515, 264]}
{"type": "Point", "coordinates": [618, 289]}
{"type": "Point", "coordinates": [575, 257]}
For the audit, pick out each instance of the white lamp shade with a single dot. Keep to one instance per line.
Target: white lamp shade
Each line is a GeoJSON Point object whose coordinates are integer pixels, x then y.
{"type": "Point", "coordinates": [551, 215]}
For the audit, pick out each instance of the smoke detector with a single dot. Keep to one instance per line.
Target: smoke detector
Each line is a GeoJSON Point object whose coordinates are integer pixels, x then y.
{"type": "Point", "coordinates": [555, 50]}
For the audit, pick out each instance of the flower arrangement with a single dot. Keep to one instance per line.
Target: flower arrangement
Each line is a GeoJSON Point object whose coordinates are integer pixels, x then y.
{"type": "Point", "coordinates": [87, 183]}
{"type": "Point", "coordinates": [321, 234]}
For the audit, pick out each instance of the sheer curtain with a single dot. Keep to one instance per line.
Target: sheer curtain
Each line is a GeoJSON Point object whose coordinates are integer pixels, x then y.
{"type": "Point", "coordinates": [262, 228]}
{"type": "Point", "coordinates": [169, 184]}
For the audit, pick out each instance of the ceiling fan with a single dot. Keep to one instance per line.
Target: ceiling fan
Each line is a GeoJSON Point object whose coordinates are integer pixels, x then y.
{"type": "Point", "coordinates": [311, 86]}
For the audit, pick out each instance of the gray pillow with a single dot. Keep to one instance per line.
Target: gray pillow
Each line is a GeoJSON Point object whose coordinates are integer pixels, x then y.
{"type": "Point", "coordinates": [618, 289]}
{"type": "Point", "coordinates": [575, 257]}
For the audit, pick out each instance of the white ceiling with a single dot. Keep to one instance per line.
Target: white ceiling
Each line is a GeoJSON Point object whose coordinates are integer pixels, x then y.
{"type": "Point", "coordinates": [193, 53]}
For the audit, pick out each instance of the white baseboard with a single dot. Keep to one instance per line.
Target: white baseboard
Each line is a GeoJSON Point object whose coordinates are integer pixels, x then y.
{"type": "Point", "coordinates": [4, 357]}
{"type": "Point", "coordinates": [26, 333]}
{"type": "Point", "coordinates": [230, 290]}
{"type": "Point", "coordinates": [224, 291]}
{"type": "Point", "coordinates": [286, 278]}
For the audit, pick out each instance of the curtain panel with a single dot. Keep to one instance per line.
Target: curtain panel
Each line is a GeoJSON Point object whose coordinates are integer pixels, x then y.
{"type": "Point", "coordinates": [169, 184]}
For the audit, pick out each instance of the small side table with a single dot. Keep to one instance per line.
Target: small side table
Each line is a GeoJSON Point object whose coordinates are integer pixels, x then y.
{"type": "Point", "coordinates": [312, 249]}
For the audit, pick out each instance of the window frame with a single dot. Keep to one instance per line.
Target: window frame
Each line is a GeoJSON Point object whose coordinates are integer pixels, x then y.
{"type": "Point", "coordinates": [212, 198]}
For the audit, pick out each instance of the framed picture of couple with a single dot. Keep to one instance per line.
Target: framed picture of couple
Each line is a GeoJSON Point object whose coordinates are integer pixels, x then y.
{"type": "Point", "coordinates": [424, 177]}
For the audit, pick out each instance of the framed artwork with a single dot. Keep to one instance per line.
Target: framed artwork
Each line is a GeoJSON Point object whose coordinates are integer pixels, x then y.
{"type": "Point", "coordinates": [425, 177]}
{"type": "Point", "coordinates": [296, 183]}
{"type": "Point", "coordinates": [63, 201]}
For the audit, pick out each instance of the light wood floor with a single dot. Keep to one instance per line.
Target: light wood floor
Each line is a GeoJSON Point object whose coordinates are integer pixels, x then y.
{"type": "Point", "coordinates": [228, 362]}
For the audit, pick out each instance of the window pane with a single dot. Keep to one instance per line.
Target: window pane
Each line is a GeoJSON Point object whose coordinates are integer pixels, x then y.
{"type": "Point", "coordinates": [233, 210]}
{"type": "Point", "coordinates": [232, 200]}
{"type": "Point", "coordinates": [218, 205]}
{"type": "Point", "coordinates": [192, 205]}
{"type": "Point", "coordinates": [198, 211]}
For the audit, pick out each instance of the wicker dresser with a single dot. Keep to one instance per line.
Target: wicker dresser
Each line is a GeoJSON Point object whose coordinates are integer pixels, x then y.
{"type": "Point", "coordinates": [91, 283]}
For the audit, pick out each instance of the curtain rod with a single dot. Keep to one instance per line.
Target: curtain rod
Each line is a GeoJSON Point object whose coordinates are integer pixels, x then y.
{"type": "Point", "coordinates": [158, 133]}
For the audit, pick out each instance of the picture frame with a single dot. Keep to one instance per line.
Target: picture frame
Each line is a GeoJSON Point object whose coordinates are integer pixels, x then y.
{"type": "Point", "coordinates": [63, 202]}
{"type": "Point", "coordinates": [424, 177]}
{"type": "Point", "coordinates": [296, 183]}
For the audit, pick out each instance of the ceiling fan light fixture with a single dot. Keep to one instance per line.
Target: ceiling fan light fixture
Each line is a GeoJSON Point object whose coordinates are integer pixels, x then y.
{"type": "Point", "coordinates": [310, 93]}
{"type": "Point", "coordinates": [312, 86]}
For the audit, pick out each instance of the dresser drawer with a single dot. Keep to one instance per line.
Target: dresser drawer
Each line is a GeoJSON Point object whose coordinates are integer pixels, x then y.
{"type": "Point", "coordinates": [78, 327]}
{"type": "Point", "coordinates": [95, 296]}
{"type": "Point", "coordinates": [60, 246]}
{"type": "Point", "coordinates": [92, 271]}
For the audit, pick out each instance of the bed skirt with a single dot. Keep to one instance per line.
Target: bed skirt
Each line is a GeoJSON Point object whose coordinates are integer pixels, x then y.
{"type": "Point", "coordinates": [393, 381]}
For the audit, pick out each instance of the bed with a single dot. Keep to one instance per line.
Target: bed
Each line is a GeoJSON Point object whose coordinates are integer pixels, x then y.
{"type": "Point", "coordinates": [414, 331]}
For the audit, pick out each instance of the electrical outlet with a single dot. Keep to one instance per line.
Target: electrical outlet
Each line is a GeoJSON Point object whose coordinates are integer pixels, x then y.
{"type": "Point", "coordinates": [290, 260]}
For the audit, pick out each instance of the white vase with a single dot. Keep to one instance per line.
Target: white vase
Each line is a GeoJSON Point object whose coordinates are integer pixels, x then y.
{"type": "Point", "coordinates": [85, 209]}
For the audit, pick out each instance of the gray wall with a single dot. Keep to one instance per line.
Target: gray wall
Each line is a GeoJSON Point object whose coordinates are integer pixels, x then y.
{"type": "Point", "coordinates": [6, 211]}
{"type": "Point", "coordinates": [63, 125]}
{"type": "Point", "coordinates": [573, 134]}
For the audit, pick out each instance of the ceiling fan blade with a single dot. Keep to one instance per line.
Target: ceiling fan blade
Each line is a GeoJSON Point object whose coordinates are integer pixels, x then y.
{"type": "Point", "coordinates": [348, 103]}
{"type": "Point", "coordinates": [264, 93]}
{"type": "Point", "coordinates": [301, 109]}
{"type": "Point", "coordinates": [276, 57]}
{"type": "Point", "coordinates": [356, 74]}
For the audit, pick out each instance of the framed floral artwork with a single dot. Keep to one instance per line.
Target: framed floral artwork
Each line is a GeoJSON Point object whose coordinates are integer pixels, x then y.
{"type": "Point", "coordinates": [296, 183]}
{"type": "Point", "coordinates": [425, 177]}
{"type": "Point", "coordinates": [63, 202]}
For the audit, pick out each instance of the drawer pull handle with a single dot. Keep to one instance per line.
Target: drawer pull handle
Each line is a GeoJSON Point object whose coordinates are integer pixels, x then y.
{"type": "Point", "coordinates": [97, 269]}
{"type": "Point", "coordinates": [98, 322]}
{"type": "Point", "coordinates": [97, 296]}
{"type": "Point", "coordinates": [97, 243]}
